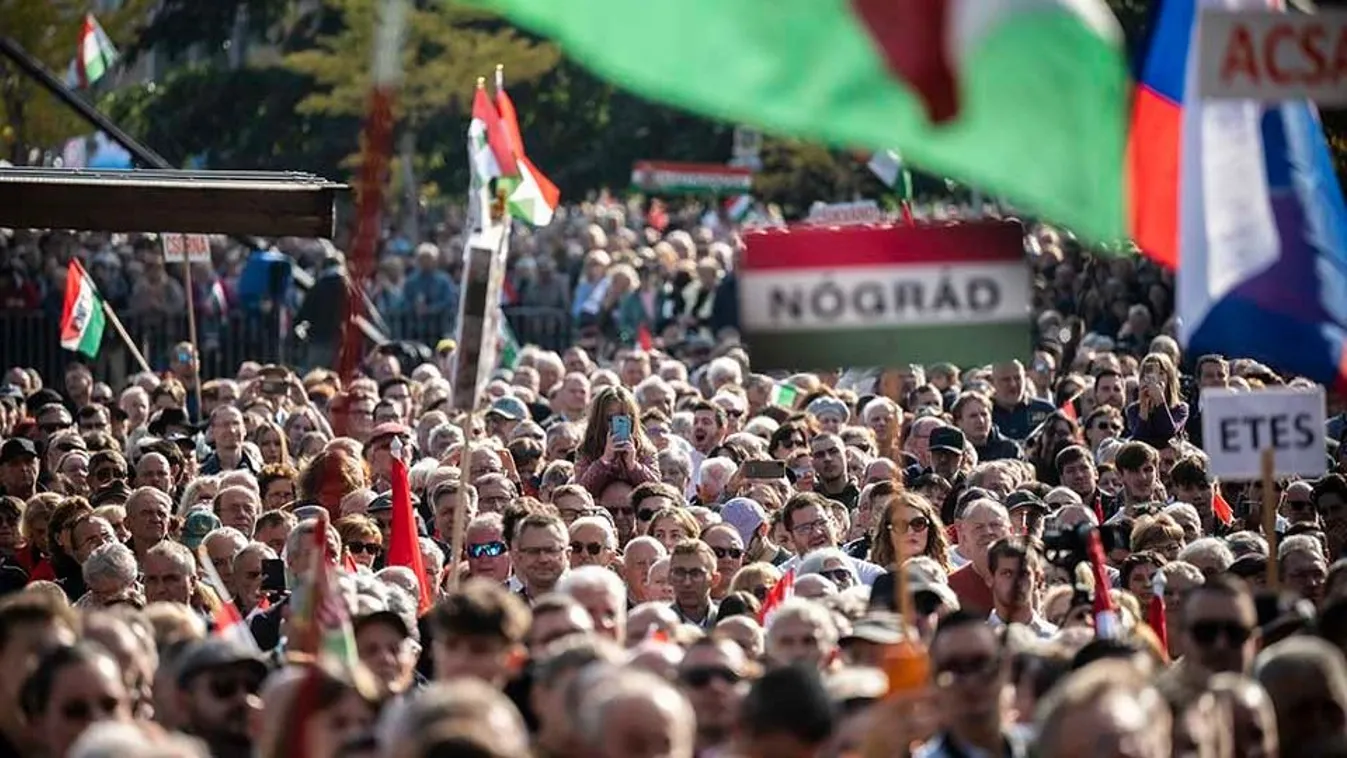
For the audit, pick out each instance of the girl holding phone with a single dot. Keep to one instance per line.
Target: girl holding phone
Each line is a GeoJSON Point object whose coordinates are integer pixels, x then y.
{"type": "Point", "coordinates": [1158, 414]}
{"type": "Point", "coordinates": [615, 447]}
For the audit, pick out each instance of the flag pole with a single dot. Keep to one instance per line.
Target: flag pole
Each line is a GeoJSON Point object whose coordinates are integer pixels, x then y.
{"type": "Point", "coordinates": [116, 322]}
{"type": "Point", "coordinates": [191, 320]}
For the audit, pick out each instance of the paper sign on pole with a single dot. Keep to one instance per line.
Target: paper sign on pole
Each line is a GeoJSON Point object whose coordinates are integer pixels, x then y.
{"type": "Point", "coordinates": [180, 247]}
{"type": "Point", "coordinates": [1270, 56]}
{"type": "Point", "coordinates": [1238, 426]}
{"type": "Point", "coordinates": [824, 297]}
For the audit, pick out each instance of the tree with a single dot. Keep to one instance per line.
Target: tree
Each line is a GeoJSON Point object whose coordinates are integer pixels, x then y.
{"type": "Point", "coordinates": [49, 31]}
{"type": "Point", "coordinates": [447, 48]}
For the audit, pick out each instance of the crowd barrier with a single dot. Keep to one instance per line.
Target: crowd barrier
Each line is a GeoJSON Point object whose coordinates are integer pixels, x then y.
{"type": "Point", "coordinates": [32, 339]}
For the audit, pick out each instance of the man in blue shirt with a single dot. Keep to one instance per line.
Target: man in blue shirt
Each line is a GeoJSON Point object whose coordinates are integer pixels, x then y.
{"type": "Point", "coordinates": [431, 296]}
{"type": "Point", "coordinates": [1015, 413]}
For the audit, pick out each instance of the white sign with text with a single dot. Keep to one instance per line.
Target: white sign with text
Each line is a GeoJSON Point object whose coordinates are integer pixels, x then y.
{"type": "Point", "coordinates": [1271, 56]}
{"type": "Point", "coordinates": [1238, 426]}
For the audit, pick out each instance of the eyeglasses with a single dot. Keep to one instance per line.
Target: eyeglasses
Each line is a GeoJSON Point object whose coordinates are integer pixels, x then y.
{"type": "Point", "coordinates": [700, 676]}
{"type": "Point", "coordinates": [1206, 632]}
{"type": "Point", "coordinates": [593, 548]}
{"type": "Point", "coordinates": [918, 524]}
{"type": "Point", "coordinates": [972, 667]}
{"type": "Point", "coordinates": [368, 548]}
{"type": "Point", "coordinates": [88, 710]}
{"type": "Point", "coordinates": [810, 527]}
{"type": "Point", "coordinates": [225, 689]}
{"type": "Point", "coordinates": [492, 549]}
{"type": "Point", "coordinates": [108, 474]}
{"type": "Point", "coordinates": [728, 552]}
{"type": "Point", "coordinates": [686, 574]}
{"type": "Point", "coordinates": [646, 514]}
{"type": "Point", "coordinates": [840, 576]}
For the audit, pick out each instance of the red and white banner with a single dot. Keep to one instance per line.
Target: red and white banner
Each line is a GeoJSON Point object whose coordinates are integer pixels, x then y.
{"type": "Point", "coordinates": [1271, 56]}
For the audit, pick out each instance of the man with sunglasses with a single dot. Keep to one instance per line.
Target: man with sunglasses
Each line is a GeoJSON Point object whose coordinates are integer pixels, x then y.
{"type": "Point", "coordinates": [51, 419]}
{"type": "Point", "coordinates": [714, 676]}
{"type": "Point", "coordinates": [488, 553]}
{"type": "Point", "coordinates": [218, 680]}
{"type": "Point", "coordinates": [1219, 630]}
{"type": "Point", "coordinates": [969, 670]}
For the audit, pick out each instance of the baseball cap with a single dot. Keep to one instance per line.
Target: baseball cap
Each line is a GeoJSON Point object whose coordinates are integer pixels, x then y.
{"type": "Point", "coordinates": [217, 653]}
{"type": "Point", "coordinates": [198, 524]}
{"type": "Point", "coordinates": [947, 438]}
{"type": "Point", "coordinates": [381, 617]}
{"type": "Point", "coordinates": [511, 408]}
{"type": "Point", "coordinates": [17, 448]}
{"type": "Point", "coordinates": [879, 627]}
{"type": "Point", "coordinates": [168, 417]}
{"type": "Point", "coordinates": [745, 515]}
{"type": "Point", "coordinates": [1023, 499]}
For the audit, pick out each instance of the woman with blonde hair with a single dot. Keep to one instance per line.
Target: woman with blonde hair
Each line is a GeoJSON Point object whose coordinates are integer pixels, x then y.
{"type": "Point", "coordinates": [1158, 415]}
{"type": "Point", "coordinates": [605, 456]}
{"type": "Point", "coordinates": [757, 579]}
{"type": "Point", "coordinates": [272, 442]}
{"type": "Point", "coordinates": [672, 525]}
{"type": "Point", "coordinates": [301, 421]}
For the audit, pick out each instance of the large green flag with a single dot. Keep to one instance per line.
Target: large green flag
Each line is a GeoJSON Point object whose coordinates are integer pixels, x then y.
{"type": "Point", "coordinates": [1023, 99]}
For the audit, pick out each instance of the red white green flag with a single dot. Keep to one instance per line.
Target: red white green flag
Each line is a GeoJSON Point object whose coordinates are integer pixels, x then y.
{"type": "Point", "coordinates": [532, 197]}
{"type": "Point", "coordinates": [1024, 99]}
{"type": "Point", "coordinates": [94, 56]}
{"type": "Point", "coordinates": [82, 318]}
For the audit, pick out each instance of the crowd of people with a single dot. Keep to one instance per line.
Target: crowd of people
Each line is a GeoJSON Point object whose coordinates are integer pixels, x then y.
{"type": "Point", "coordinates": [639, 546]}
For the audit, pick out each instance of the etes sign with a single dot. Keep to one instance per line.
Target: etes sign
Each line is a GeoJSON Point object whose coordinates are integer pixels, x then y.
{"type": "Point", "coordinates": [1238, 426]}
{"type": "Point", "coordinates": [1270, 56]}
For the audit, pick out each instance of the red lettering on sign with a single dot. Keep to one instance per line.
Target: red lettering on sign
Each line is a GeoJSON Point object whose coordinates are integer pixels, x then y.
{"type": "Point", "coordinates": [1240, 57]}
{"type": "Point", "coordinates": [1279, 33]}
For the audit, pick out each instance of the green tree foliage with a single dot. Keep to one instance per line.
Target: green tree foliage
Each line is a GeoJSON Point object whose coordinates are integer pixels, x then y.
{"type": "Point", "coordinates": [179, 25]}
{"type": "Point", "coordinates": [49, 31]}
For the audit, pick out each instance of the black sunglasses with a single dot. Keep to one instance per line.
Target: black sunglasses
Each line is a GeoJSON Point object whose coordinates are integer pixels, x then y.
{"type": "Point", "coordinates": [593, 548]}
{"type": "Point", "coordinates": [225, 688]}
{"type": "Point", "coordinates": [1206, 632]}
{"type": "Point", "coordinates": [105, 474]}
{"type": "Point", "coordinates": [728, 552]}
{"type": "Point", "coordinates": [700, 676]}
{"type": "Point", "coordinates": [487, 549]}
{"type": "Point", "coordinates": [84, 710]}
{"type": "Point", "coordinates": [370, 548]}
{"type": "Point", "coordinates": [646, 514]}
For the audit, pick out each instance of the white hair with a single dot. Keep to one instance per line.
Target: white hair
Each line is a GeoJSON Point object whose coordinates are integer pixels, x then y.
{"type": "Point", "coordinates": [724, 370]}
{"type": "Point", "coordinates": [584, 578]}
{"type": "Point", "coordinates": [239, 478]}
{"type": "Point", "coordinates": [1182, 568]}
{"type": "Point", "coordinates": [113, 560]}
{"type": "Point", "coordinates": [673, 457]}
{"type": "Point", "coordinates": [878, 404]}
{"type": "Point", "coordinates": [762, 427]}
{"type": "Point", "coordinates": [433, 552]}
{"type": "Point", "coordinates": [259, 548]}
{"type": "Point", "coordinates": [237, 539]}
{"type": "Point", "coordinates": [400, 577]}
{"type": "Point", "coordinates": [609, 534]}
{"type": "Point", "coordinates": [189, 493]}
{"type": "Point", "coordinates": [814, 562]}
{"type": "Point", "coordinates": [176, 552]}
{"type": "Point", "coordinates": [1208, 547]}
{"type": "Point", "coordinates": [805, 610]}
{"type": "Point", "coordinates": [647, 540]}
{"type": "Point", "coordinates": [716, 471]}
{"type": "Point", "coordinates": [647, 384]}
{"type": "Point", "coordinates": [1181, 512]}
{"type": "Point", "coordinates": [1300, 543]}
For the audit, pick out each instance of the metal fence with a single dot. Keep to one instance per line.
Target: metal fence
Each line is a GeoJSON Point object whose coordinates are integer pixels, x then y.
{"type": "Point", "coordinates": [32, 339]}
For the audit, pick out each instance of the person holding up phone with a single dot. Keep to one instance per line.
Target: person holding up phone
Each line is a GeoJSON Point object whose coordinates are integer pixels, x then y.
{"type": "Point", "coordinates": [615, 448]}
{"type": "Point", "coordinates": [1158, 414]}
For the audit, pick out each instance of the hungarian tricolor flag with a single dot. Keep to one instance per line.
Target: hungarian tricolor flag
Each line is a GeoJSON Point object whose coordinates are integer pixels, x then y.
{"type": "Point", "coordinates": [970, 89]}
{"type": "Point", "coordinates": [82, 318]}
{"type": "Point", "coordinates": [532, 197]}
{"type": "Point", "coordinates": [94, 56]}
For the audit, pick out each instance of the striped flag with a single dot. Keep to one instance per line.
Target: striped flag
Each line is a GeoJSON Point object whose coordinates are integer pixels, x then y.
{"type": "Point", "coordinates": [532, 197]}
{"type": "Point", "coordinates": [94, 56]}
{"type": "Point", "coordinates": [82, 317]}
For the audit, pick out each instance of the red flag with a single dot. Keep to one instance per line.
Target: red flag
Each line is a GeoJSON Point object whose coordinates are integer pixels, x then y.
{"type": "Point", "coordinates": [1155, 610]}
{"type": "Point", "coordinates": [497, 136]}
{"type": "Point", "coordinates": [644, 338]}
{"type": "Point", "coordinates": [1106, 625]}
{"type": "Point", "coordinates": [783, 591]}
{"type": "Point", "coordinates": [1224, 513]}
{"type": "Point", "coordinates": [404, 549]}
{"type": "Point", "coordinates": [1068, 409]}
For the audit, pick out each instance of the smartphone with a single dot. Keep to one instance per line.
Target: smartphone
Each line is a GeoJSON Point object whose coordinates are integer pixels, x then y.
{"type": "Point", "coordinates": [765, 469]}
{"type": "Point", "coordinates": [621, 428]}
{"type": "Point", "coordinates": [273, 575]}
{"type": "Point", "coordinates": [273, 387]}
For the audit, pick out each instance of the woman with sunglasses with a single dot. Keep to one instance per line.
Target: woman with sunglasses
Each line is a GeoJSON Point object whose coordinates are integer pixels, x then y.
{"type": "Point", "coordinates": [757, 579]}
{"type": "Point", "coordinates": [908, 526]}
{"type": "Point", "coordinates": [361, 539]}
{"type": "Point", "coordinates": [1103, 423]}
{"type": "Point", "coordinates": [615, 447]}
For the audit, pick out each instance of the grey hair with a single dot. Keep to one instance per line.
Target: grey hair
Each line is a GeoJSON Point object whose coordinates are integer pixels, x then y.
{"type": "Point", "coordinates": [672, 457]}
{"type": "Point", "coordinates": [813, 562]}
{"type": "Point", "coordinates": [237, 538]}
{"type": "Point", "coordinates": [726, 369]}
{"type": "Point", "coordinates": [399, 576]}
{"type": "Point", "coordinates": [762, 427]}
{"type": "Point", "coordinates": [454, 434]}
{"type": "Point", "coordinates": [114, 739]}
{"type": "Point", "coordinates": [806, 610]}
{"type": "Point", "coordinates": [189, 492]}
{"type": "Point", "coordinates": [303, 531]}
{"type": "Point", "coordinates": [113, 559]}
{"type": "Point", "coordinates": [649, 383]}
{"type": "Point", "coordinates": [718, 470]}
{"type": "Point", "coordinates": [1182, 512]}
{"type": "Point", "coordinates": [877, 404]}
{"type": "Point", "coordinates": [1184, 569]}
{"type": "Point", "coordinates": [176, 552]}
{"type": "Point", "coordinates": [645, 539]}
{"type": "Point", "coordinates": [1210, 547]}
{"type": "Point", "coordinates": [493, 519]}
{"type": "Point", "coordinates": [1299, 543]}
{"type": "Point", "coordinates": [260, 548]}
{"type": "Point", "coordinates": [609, 534]}
{"type": "Point", "coordinates": [1246, 543]}
{"type": "Point", "coordinates": [755, 444]}
{"type": "Point", "coordinates": [595, 578]}
{"type": "Point", "coordinates": [432, 551]}
{"type": "Point", "coordinates": [239, 478]}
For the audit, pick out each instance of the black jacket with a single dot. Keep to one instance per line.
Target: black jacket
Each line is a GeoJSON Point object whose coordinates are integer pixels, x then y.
{"type": "Point", "coordinates": [998, 447]}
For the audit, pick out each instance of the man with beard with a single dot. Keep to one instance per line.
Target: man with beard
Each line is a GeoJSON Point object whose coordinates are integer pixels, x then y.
{"type": "Point", "coordinates": [832, 480]}
{"type": "Point", "coordinates": [219, 679]}
{"type": "Point", "coordinates": [709, 423]}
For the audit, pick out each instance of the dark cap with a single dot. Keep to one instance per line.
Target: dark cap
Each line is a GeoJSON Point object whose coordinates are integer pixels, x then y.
{"type": "Point", "coordinates": [947, 438]}
{"type": "Point", "coordinates": [509, 408]}
{"type": "Point", "coordinates": [381, 617]}
{"type": "Point", "coordinates": [17, 448]}
{"type": "Point", "coordinates": [168, 417]}
{"type": "Point", "coordinates": [216, 653]}
{"type": "Point", "coordinates": [1023, 499]}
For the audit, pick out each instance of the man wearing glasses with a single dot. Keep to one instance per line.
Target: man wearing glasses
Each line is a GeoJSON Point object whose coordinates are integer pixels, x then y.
{"type": "Point", "coordinates": [692, 572]}
{"type": "Point", "coordinates": [51, 419]}
{"type": "Point", "coordinates": [808, 519]}
{"type": "Point", "coordinates": [539, 553]}
{"type": "Point", "coordinates": [1219, 625]}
